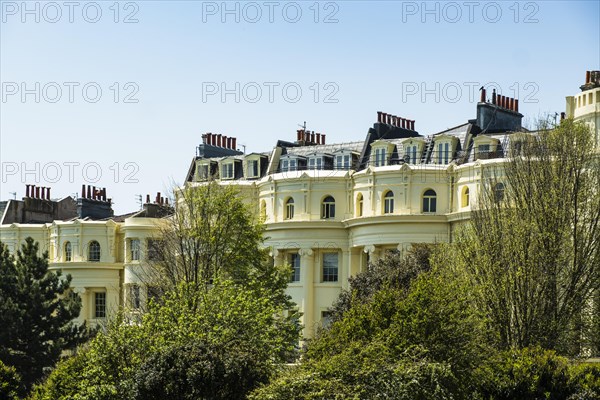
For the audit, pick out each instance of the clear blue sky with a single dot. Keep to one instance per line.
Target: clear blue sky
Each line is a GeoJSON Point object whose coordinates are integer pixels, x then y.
{"type": "Point", "coordinates": [362, 56]}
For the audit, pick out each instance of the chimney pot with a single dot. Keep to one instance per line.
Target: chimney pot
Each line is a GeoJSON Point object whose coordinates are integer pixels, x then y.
{"type": "Point", "coordinates": [516, 105]}
{"type": "Point", "coordinates": [204, 139]}
{"type": "Point", "coordinates": [157, 200]}
{"type": "Point", "coordinates": [42, 192]}
{"type": "Point", "coordinates": [319, 138]}
{"type": "Point", "coordinates": [379, 116]}
{"type": "Point", "coordinates": [482, 100]}
{"type": "Point", "coordinates": [312, 137]}
{"type": "Point", "coordinates": [494, 96]}
{"type": "Point", "coordinates": [234, 143]}
{"type": "Point", "coordinates": [323, 138]}
{"type": "Point", "coordinates": [26, 190]}
{"type": "Point", "coordinates": [167, 201]}
{"type": "Point", "coordinates": [37, 192]}
{"type": "Point", "coordinates": [224, 141]}
{"type": "Point", "coordinates": [89, 192]}
{"type": "Point", "coordinates": [147, 198]}
{"type": "Point", "coordinates": [587, 76]}
{"type": "Point", "coordinates": [48, 193]}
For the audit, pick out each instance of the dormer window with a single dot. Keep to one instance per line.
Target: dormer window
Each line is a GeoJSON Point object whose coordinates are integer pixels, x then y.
{"type": "Point", "coordinates": [315, 163]}
{"type": "Point", "coordinates": [292, 163]}
{"type": "Point", "coordinates": [203, 171]}
{"type": "Point", "coordinates": [443, 153]}
{"type": "Point", "coordinates": [411, 154]}
{"type": "Point", "coordinates": [380, 157]}
{"type": "Point", "coordinates": [253, 170]}
{"type": "Point", "coordinates": [227, 171]}
{"type": "Point", "coordinates": [342, 161]}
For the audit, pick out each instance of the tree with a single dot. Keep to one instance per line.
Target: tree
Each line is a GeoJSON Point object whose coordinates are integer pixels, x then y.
{"type": "Point", "coordinates": [393, 271]}
{"type": "Point", "coordinates": [223, 325]}
{"type": "Point", "coordinates": [36, 313]}
{"type": "Point", "coordinates": [532, 249]}
{"type": "Point", "coordinates": [10, 382]}
{"type": "Point", "coordinates": [213, 233]}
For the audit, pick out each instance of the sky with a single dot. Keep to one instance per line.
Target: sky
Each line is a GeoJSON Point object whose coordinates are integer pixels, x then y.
{"type": "Point", "coordinates": [118, 94]}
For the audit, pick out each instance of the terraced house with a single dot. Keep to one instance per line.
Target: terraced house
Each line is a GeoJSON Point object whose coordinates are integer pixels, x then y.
{"type": "Point", "coordinates": [329, 209]}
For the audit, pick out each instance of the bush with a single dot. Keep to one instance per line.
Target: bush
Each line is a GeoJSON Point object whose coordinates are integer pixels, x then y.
{"type": "Point", "coordinates": [10, 382]}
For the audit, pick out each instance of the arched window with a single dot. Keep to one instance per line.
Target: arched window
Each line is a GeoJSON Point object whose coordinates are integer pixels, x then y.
{"type": "Point", "coordinates": [388, 202]}
{"type": "Point", "coordinates": [328, 208]}
{"type": "Point", "coordinates": [499, 192]}
{"type": "Point", "coordinates": [465, 197]}
{"type": "Point", "coordinates": [94, 251]}
{"type": "Point", "coordinates": [289, 208]}
{"type": "Point", "coordinates": [68, 251]}
{"type": "Point", "coordinates": [359, 205]}
{"type": "Point", "coordinates": [429, 201]}
{"type": "Point", "coordinates": [263, 210]}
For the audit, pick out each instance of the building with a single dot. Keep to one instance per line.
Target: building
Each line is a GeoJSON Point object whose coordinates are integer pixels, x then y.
{"type": "Point", "coordinates": [329, 209]}
{"type": "Point", "coordinates": [102, 252]}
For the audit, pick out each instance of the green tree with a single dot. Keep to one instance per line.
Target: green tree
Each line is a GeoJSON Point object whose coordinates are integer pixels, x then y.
{"type": "Point", "coordinates": [531, 250]}
{"type": "Point", "coordinates": [36, 312]}
{"type": "Point", "coordinates": [418, 337]}
{"type": "Point", "coordinates": [212, 234]}
{"type": "Point", "coordinates": [393, 270]}
{"type": "Point", "coordinates": [10, 382]}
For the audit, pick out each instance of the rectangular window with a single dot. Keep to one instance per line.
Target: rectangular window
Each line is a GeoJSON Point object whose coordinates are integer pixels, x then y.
{"type": "Point", "coordinates": [446, 152]}
{"type": "Point", "coordinates": [227, 171]}
{"type": "Point", "coordinates": [325, 319]}
{"type": "Point", "coordinates": [203, 171]}
{"type": "Point", "coordinates": [413, 158]}
{"type": "Point", "coordinates": [293, 164]}
{"type": "Point", "coordinates": [153, 293]}
{"type": "Point", "coordinates": [483, 151]}
{"type": "Point", "coordinates": [100, 305]}
{"type": "Point", "coordinates": [252, 169]}
{"type": "Point", "coordinates": [295, 263]}
{"type": "Point", "coordinates": [154, 250]}
{"type": "Point", "coordinates": [315, 163]}
{"type": "Point", "coordinates": [135, 249]}
{"type": "Point", "coordinates": [330, 267]}
{"type": "Point", "coordinates": [135, 297]}
{"type": "Point", "coordinates": [380, 157]}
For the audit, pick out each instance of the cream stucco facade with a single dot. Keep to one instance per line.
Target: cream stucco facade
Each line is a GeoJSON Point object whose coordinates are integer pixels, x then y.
{"type": "Point", "coordinates": [329, 209]}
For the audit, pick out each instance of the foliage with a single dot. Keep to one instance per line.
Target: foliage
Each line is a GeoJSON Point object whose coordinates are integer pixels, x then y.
{"type": "Point", "coordinates": [229, 336]}
{"type": "Point", "coordinates": [419, 337]}
{"type": "Point", "coordinates": [393, 270]}
{"type": "Point", "coordinates": [213, 234]}
{"type": "Point", "coordinates": [10, 382]}
{"type": "Point", "coordinates": [533, 257]}
{"type": "Point", "coordinates": [535, 373]}
{"type": "Point", "coordinates": [36, 312]}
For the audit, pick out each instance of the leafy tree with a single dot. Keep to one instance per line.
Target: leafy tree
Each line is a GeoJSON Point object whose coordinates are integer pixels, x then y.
{"type": "Point", "coordinates": [418, 337]}
{"type": "Point", "coordinates": [36, 313]}
{"type": "Point", "coordinates": [533, 256]}
{"type": "Point", "coordinates": [213, 233]}
{"type": "Point", "coordinates": [393, 271]}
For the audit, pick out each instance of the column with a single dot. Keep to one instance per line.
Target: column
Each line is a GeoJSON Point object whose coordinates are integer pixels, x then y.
{"type": "Point", "coordinates": [307, 269]}
{"type": "Point", "coordinates": [346, 267]}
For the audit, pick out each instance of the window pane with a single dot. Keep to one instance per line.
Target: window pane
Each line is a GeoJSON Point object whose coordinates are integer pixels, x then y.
{"type": "Point", "coordinates": [135, 250]}
{"type": "Point", "coordinates": [330, 267]}
{"type": "Point", "coordinates": [295, 263]}
{"type": "Point", "coordinates": [100, 304]}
